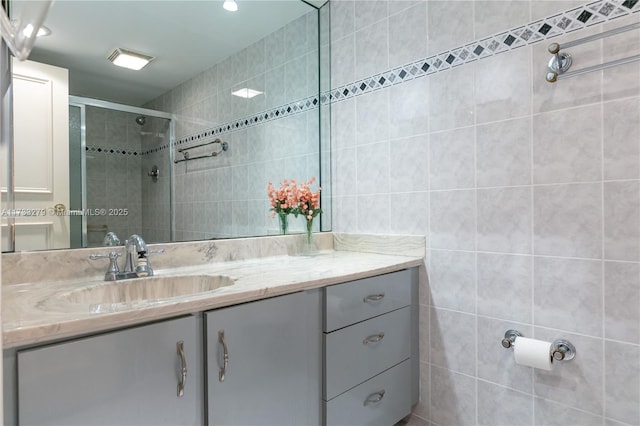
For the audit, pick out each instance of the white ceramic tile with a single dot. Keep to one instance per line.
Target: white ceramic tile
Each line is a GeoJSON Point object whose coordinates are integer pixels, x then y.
{"type": "Point", "coordinates": [372, 53]}
{"type": "Point", "coordinates": [343, 61]}
{"type": "Point", "coordinates": [415, 223]}
{"type": "Point", "coordinates": [568, 220]}
{"type": "Point", "coordinates": [553, 414]}
{"type": "Point", "coordinates": [372, 162]}
{"type": "Point", "coordinates": [504, 220]}
{"type": "Point", "coordinates": [622, 220]}
{"type": "Point", "coordinates": [453, 340]}
{"type": "Point", "coordinates": [368, 12]}
{"type": "Point", "coordinates": [567, 145]}
{"type": "Point", "coordinates": [409, 164]}
{"type": "Point", "coordinates": [342, 18]}
{"type": "Point", "coordinates": [622, 382]}
{"type": "Point", "coordinates": [453, 398]}
{"type": "Point", "coordinates": [452, 220]}
{"type": "Point", "coordinates": [450, 24]}
{"type": "Point", "coordinates": [408, 35]}
{"type": "Point", "coordinates": [409, 108]}
{"type": "Point", "coordinates": [503, 85]}
{"type": "Point", "coordinates": [372, 117]}
{"type": "Point", "coordinates": [620, 138]}
{"type": "Point", "coordinates": [493, 16]}
{"type": "Point", "coordinates": [344, 177]}
{"type": "Point", "coordinates": [451, 98]}
{"type": "Point", "coordinates": [452, 280]}
{"type": "Point", "coordinates": [505, 285]}
{"type": "Point", "coordinates": [568, 294]}
{"type": "Point", "coordinates": [503, 152]}
{"type": "Point", "coordinates": [621, 81]}
{"type": "Point", "coordinates": [501, 406]}
{"type": "Point", "coordinates": [451, 159]}
{"type": "Point", "coordinates": [621, 301]}
{"type": "Point", "coordinates": [373, 214]}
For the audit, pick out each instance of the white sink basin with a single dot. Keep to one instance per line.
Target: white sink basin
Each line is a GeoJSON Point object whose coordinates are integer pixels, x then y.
{"type": "Point", "coordinates": [145, 290]}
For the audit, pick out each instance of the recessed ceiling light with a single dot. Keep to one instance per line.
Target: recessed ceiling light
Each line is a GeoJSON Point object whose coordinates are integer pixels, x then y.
{"type": "Point", "coordinates": [230, 5]}
{"type": "Point", "coordinates": [128, 59]}
{"type": "Point", "coordinates": [246, 93]}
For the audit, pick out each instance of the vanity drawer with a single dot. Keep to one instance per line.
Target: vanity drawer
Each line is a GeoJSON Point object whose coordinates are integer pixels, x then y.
{"type": "Point", "coordinates": [359, 300]}
{"type": "Point", "coordinates": [366, 404]}
{"type": "Point", "coordinates": [356, 353]}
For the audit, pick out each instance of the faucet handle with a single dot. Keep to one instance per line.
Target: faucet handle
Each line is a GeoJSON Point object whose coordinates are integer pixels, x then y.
{"type": "Point", "coordinates": [143, 267]}
{"type": "Point", "coordinates": [113, 270]}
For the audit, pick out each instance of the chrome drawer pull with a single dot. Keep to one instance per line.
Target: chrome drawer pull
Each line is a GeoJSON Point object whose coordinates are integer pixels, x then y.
{"type": "Point", "coordinates": [373, 298]}
{"type": "Point", "coordinates": [374, 398]}
{"type": "Point", "coordinates": [183, 361]}
{"type": "Point", "coordinates": [375, 338]}
{"type": "Point", "coordinates": [225, 356]}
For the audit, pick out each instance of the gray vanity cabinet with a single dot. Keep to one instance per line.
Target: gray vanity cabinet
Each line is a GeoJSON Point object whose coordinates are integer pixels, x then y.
{"type": "Point", "coordinates": [264, 362]}
{"type": "Point", "coordinates": [371, 358]}
{"type": "Point", "coordinates": [126, 377]}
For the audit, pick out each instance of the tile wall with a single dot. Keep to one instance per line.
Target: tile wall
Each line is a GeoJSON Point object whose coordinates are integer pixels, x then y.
{"type": "Point", "coordinates": [528, 193]}
{"type": "Point", "coordinates": [113, 163]}
{"type": "Point", "coordinates": [225, 196]}
{"type": "Point", "coordinates": [156, 192]}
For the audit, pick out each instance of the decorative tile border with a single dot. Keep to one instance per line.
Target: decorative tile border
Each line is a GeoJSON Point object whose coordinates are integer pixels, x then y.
{"type": "Point", "coordinates": [543, 29]}
{"type": "Point", "coordinates": [573, 20]}
{"type": "Point", "coordinates": [118, 151]}
{"type": "Point", "coordinates": [111, 151]}
{"type": "Point", "coordinates": [282, 111]}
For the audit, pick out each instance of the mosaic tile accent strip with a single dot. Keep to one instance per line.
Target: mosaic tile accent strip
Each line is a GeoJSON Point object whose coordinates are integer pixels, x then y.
{"type": "Point", "coordinates": [543, 29]}
{"type": "Point", "coordinates": [292, 108]}
{"type": "Point", "coordinates": [111, 151]}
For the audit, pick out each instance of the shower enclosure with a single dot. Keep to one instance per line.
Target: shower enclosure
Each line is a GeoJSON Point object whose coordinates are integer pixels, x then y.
{"type": "Point", "coordinates": [120, 172]}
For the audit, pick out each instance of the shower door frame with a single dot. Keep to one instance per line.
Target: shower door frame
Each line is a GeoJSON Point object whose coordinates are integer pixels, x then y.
{"type": "Point", "coordinates": [82, 103]}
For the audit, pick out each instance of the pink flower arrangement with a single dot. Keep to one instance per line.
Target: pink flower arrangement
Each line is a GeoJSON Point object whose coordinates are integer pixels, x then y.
{"type": "Point", "coordinates": [285, 199]}
{"type": "Point", "coordinates": [298, 200]}
{"type": "Point", "coordinates": [308, 201]}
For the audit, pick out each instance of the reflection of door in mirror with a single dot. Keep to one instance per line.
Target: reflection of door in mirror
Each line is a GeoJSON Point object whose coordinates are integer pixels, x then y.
{"type": "Point", "coordinates": [41, 161]}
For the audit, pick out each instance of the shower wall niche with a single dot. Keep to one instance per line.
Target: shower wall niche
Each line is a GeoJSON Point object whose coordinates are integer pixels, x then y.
{"type": "Point", "coordinates": [120, 156]}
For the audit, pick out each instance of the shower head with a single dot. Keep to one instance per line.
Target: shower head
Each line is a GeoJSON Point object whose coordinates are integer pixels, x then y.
{"type": "Point", "coordinates": [141, 119]}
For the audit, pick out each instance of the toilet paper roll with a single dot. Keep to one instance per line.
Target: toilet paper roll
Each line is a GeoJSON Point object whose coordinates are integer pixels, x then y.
{"type": "Point", "coordinates": [532, 353]}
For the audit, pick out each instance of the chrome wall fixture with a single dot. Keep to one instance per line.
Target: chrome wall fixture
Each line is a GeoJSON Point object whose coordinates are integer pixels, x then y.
{"type": "Point", "coordinates": [561, 350]}
{"type": "Point", "coordinates": [224, 146]}
{"type": "Point", "coordinates": [561, 61]}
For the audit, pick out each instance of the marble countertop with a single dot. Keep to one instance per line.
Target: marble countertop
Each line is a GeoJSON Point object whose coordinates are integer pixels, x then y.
{"type": "Point", "coordinates": [43, 311]}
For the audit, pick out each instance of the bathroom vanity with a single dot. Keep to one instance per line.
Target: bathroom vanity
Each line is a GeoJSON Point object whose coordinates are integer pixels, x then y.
{"type": "Point", "coordinates": [331, 339]}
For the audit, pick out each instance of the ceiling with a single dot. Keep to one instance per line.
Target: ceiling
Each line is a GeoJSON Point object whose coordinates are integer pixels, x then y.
{"type": "Point", "coordinates": [185, 37]}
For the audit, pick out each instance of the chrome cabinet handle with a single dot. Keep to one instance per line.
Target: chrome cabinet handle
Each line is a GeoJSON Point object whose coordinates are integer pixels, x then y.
{"type": "Point", "coordinates": [225, 356]}
{"type": "Point", "coordinates": [375, 338]}
{"type": "Point", "coordinates": [183, 379]}
{"type": "Point", "coordinates": [374, 398]}
{"type": "Point", "coordinates": [373, 298]}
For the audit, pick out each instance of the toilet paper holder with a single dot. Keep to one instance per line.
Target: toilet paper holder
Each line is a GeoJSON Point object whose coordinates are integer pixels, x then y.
{"type": "Point", "coordinates": [561, 349]}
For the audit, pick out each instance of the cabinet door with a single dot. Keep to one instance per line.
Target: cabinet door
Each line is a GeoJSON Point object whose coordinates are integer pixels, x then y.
{"type": "Point", "coordinates": [273, 372]}
{"type": "Point", "coordinates": [128, 377]}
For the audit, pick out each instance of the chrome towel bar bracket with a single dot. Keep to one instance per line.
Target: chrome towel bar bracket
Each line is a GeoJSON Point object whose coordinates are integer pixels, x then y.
{"type": "Point", "coordinates": [560, 62]}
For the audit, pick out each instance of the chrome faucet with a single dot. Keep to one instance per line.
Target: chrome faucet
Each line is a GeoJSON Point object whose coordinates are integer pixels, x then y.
{"type": "Point", "coordinates": [135, 254]}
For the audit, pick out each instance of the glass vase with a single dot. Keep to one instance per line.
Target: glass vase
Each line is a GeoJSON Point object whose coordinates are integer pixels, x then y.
{"type": "Point", "coordinates": [309, 247]}
{"type": "Point", "coordinates": [284, 223]}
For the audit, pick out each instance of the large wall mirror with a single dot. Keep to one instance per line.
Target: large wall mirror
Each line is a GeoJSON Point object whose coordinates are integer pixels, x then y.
{"type": "Point", "coordinates": [182, 149]}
